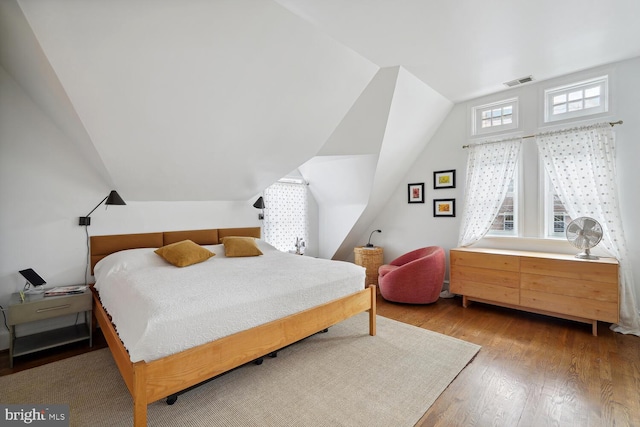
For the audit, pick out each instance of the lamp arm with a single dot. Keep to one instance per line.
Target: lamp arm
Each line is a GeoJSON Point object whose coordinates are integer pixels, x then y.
{"type": "Point", "coordinates": [89, 214]}
{"type": "Point", "coordinates": [369, 245]}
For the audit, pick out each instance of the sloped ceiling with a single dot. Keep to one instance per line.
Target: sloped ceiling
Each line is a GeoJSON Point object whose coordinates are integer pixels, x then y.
{"type": "Point", "coordinates": [215, 100]}
{"type": "Point", "coordinates": [197, 100]}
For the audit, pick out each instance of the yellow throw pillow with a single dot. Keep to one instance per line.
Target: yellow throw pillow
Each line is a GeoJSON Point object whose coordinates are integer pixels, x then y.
{"type": "Point", "coordinates": [184, 253]}
{"type": "Point", "coordinates": [236, 246]}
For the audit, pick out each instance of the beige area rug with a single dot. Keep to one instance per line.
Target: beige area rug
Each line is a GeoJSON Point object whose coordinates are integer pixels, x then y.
{"type": "Point", "coordinates": [340, 378]}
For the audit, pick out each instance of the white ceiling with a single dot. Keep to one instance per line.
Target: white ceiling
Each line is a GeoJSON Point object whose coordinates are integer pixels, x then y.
{"type": "Point", "coordinates": [214, 100]}
{"type": "Point", "coordinates": [468, 48]}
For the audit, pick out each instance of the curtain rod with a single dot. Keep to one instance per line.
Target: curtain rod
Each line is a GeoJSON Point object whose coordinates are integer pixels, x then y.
{"type": "Point", "coordinates": [619, 122]}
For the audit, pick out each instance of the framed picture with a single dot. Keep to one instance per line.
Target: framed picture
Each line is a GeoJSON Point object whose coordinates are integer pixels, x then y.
{"type": "Point", "coordinates": [444, 179]}
{"type": "Point", "coordinates": [416, 193]}
{"type": "Point", "coordinates": [444, 207]}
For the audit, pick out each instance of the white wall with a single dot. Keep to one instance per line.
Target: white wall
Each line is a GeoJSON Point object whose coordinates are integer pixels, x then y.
{"type": "Point", "coordinates": [45, 185]}
{"type": "Point", "coordinates": [409, 226]}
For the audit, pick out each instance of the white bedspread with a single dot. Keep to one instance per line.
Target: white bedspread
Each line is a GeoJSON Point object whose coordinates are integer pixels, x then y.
{"type": "Point", "coordinates": [159, 309]}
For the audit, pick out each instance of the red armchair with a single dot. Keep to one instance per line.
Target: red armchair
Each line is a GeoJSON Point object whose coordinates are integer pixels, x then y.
{"type": "Point", "coordinates": [415, 277]}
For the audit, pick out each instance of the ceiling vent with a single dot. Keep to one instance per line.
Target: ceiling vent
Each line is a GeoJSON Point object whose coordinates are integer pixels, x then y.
{"type": "Point", "coordinates": [519, 81]}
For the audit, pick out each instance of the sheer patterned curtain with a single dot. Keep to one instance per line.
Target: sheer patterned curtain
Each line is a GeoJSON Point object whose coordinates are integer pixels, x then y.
{"type": "Point", "coordinates": [490, 167]}
{"type": "Point", "coordinates": [286, 216]}
{"type": "Point", "coordinates": [581, 165]}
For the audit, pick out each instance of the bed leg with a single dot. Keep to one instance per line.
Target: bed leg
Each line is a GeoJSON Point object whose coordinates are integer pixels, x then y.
{"type": "Point", "coordinates": [139, 393]}
{"type": "Point", "coordinates": [372, 311]}
{"type": "Point", "coordinates": [273, 354]}
{"type": "Point", "coordinates": [172, 399]}
{"type": "Point", "coordinates": [259, 361]}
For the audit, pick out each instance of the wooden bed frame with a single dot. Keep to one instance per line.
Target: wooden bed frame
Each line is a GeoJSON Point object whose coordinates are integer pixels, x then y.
{"type": "Point", "coordinates": [158, 379]}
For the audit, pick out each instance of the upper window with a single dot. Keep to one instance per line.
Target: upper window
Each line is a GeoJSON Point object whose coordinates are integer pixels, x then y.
{"type": "Point", "coordinates": [577, 100]}
{"type": "Point", "coordinates": [495, 117]}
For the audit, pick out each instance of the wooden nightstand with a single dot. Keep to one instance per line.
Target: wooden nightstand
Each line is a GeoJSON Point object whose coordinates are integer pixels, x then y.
{"type": "Point", "coordinates": [371, 259]}
{"type": "Point", "coordinates": [37, 307]}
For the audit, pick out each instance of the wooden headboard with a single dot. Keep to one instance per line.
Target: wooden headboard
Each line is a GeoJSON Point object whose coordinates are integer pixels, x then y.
{"type": "Point", "coordinates": [101, 246]}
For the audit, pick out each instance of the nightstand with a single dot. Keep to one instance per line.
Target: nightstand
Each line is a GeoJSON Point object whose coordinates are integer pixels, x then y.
{"type": "Point", "coordinates": [371, 259]}
{"type": "Point", "coordinates": [37, 307]}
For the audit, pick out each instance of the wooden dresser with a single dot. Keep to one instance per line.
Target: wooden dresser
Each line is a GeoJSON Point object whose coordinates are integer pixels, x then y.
{"type": "Point", "coordinates": [546, 283]}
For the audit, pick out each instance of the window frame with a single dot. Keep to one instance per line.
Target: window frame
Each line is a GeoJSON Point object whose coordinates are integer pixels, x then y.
{"type": "Point", "coordinates": [601, 82]}
{"type": "Point", "coordinates": [477, 116]}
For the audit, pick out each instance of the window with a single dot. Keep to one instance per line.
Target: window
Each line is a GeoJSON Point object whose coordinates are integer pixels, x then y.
{"type": "Point", "coordinates": [286, 217]}
{"type": "Point", "coordinates": [495, 117]}
{"type": "Point", "coordinates": [556, 216]}
{"type": "Point", "coordinates": [505, 223]}
{"type": "Point", "coordinates": [580, 99]}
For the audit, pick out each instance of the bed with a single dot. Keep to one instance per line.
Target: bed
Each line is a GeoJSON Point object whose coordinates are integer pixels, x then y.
{"type": "Point", "coordinates": [151, 377]}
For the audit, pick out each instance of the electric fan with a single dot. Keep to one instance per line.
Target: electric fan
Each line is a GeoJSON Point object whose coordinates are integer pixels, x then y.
{"type": "Point", "coordinates": [584, 233]}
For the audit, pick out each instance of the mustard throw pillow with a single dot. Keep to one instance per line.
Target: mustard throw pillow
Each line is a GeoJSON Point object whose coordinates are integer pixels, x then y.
{"type": "Point", "coordinates": [184, 253]}
{"type": "Point", "coordinates": [240, 246]}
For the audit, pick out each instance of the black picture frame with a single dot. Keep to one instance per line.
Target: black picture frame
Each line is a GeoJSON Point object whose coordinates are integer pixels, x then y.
{"type": "Point", "coordinates": [444, 179]}
{"type": "Point", "coordinates": [416, 193]}
{"type": "Point", "coordinates": [444, 208]}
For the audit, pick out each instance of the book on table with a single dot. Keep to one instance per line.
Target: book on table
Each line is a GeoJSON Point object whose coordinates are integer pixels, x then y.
{"type": "Point", "coordinates": [65, 290]}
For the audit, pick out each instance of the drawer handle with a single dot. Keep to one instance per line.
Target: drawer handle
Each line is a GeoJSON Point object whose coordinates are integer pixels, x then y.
{"type": "Point", "coordinates": [60, 307]}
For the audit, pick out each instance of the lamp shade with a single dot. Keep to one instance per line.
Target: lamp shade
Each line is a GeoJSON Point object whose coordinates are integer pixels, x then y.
{"type": "Point", "coordinates": [259, 204]}
{"type": "Point", "coordinates": [114, 199]}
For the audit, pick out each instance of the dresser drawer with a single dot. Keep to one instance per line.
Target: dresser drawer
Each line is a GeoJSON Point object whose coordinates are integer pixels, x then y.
{"type": "Point", "coordinates": [46, 308]}
{"type": "Point", "coordinates": [484, 260]}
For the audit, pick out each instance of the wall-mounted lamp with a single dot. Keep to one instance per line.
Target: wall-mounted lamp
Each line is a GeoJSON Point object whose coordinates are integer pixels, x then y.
{"type": "Point", "coordinates": [112, 199]}
{"type": "Point", "coordinates": [259, 204]}
{"type": "Point", "coordinates": [369, 245]}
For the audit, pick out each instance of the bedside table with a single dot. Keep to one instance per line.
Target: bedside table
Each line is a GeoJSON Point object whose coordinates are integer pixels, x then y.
{"type": "Point", "coordinates": [371, 260]}
{"type": "Point", "coordinates": [38, 307]}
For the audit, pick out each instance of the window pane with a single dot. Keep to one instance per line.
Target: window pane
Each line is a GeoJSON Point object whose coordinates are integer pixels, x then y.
{"type": "Point", "coordinates": [591, 102]}
{"type": "Point", "coordinates": [507, 110]}
{"type": "Point", "coordinates": [497, 122]}
{"type": "Point", "coordinates": [592, 91]}
{"type": "Point", "coordinates": [497, 112]}
{"type": "Point", "coordinates": [486, 123]}
{"type": "Point", "coordinates": [560, 109]}
{"type": "Point", "coordinates": [575, 95]}
{"type": "Point", "coordinates": [560, 99]}
{"type": "Point", "coordinates": [576, 105]}
{"type": "Point", "coordinates": [486, 114]}
{"type": "Point", "coordinates": [506, 120]}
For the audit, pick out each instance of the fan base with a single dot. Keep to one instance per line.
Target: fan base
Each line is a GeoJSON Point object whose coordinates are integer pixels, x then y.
{"type": "Point", "coordinates": [586, 255]}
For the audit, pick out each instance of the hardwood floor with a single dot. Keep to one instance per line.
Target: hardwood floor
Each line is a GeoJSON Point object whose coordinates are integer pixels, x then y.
{"type": "Point", "coordinates": [532, 370]}
{"type": "Point", "coordinates": [51, 355]}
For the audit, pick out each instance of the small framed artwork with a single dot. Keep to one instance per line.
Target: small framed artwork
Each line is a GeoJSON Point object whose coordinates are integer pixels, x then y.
{"type": "Point", "coordinates": [444, 179]}
{"type": "Point", "coordinates": [444, 207]}
{"type": "Point", "coordinates": [416, 193]}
